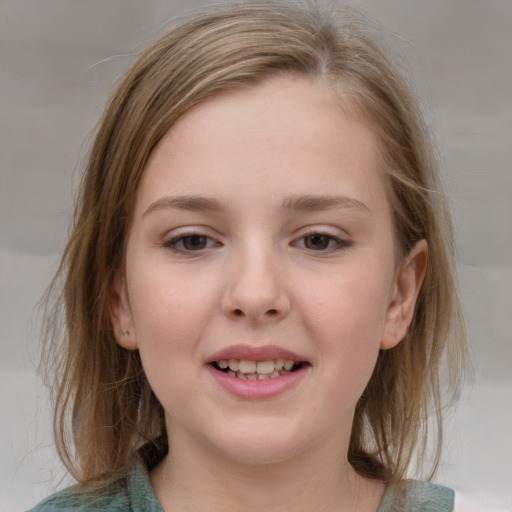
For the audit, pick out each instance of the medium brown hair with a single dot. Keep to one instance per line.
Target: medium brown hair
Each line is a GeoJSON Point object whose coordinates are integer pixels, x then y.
{"type": "Point", "coordinates": [105, 410]}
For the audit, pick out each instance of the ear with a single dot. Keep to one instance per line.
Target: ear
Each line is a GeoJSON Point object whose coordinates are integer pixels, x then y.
{"type": "Point", "coordinates": [121, 315]}
{"type": "Point", "coordinates": [407, 285]}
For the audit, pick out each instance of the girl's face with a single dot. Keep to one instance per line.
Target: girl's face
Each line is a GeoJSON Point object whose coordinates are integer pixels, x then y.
{"type": "Point", "coordinates": [262, 237]}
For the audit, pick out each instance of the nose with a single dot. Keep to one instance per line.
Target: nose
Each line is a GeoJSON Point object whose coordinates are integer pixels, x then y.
{"type": "Point", "coordinates": [256, 287]}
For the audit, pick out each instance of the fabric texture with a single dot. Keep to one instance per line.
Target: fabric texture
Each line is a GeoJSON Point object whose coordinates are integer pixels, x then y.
{"type": "Point", "coordinates": [130, 494]}
{"type": "Point", "coordinates": [415, 496]}
{"type": "Point", "coordinates": [135, 494]}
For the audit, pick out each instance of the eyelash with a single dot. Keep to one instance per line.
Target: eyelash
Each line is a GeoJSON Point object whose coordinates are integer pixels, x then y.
{"type": "Point", "coordinates": [177, 244]}
{"type": "Point", "coordinates": [174, 243]}
{"type": "Point", "coordinates": [340, 243]}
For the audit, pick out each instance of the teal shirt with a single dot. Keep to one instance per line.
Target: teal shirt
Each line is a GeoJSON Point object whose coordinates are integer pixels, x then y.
{"type": "Point", "coordinates": [134, 494]}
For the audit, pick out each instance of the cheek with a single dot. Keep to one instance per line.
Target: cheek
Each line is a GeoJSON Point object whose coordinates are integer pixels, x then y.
{"type": "Point", "coordinates": [345, 315]}
{"type": "Point", "coordinates": [169, 319]}
{"type": "Point", "coordinates": [168, 311]}
{"type": "Point", "coordinates": [346, 306]}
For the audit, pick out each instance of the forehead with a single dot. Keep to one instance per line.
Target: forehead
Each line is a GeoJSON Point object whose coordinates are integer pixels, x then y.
{"type": "Point", "coordinates": [286, 132]}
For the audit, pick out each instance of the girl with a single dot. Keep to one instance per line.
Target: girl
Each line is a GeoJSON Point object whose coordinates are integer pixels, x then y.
{"type": "Point", "coordinates": [258, 287]}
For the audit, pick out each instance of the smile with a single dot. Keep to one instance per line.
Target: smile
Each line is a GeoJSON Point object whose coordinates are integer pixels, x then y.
{"type": "Point", "coordinates": [257, 370]}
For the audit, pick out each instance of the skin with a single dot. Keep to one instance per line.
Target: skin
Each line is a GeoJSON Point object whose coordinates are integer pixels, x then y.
{"type": "Point", "coordinates": [259, 274]}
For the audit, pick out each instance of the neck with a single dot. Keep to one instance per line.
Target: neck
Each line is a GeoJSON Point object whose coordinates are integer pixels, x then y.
{"type": "Point", "coordinates": [323, 480]}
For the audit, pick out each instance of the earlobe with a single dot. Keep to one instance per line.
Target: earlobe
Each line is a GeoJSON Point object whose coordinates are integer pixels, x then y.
{"type": "Point", "coordinates": [121, 316]}
{"type": "Point", "coordinates": [406, 288]}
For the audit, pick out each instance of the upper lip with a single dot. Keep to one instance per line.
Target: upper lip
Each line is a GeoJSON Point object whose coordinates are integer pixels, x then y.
{"type": "Point", "coordinates": [255, 353]}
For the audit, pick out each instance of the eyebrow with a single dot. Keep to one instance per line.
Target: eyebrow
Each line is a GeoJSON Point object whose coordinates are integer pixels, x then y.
{"type": "Point", "coordinates": [188, 203]}
{"type": "Point", "coordinates": [323, 202]}
{"type": "Point", "coordinates": [307, 203]}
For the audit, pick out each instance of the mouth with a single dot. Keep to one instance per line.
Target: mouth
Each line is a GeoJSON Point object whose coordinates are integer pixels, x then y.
{"type": "Point", "coordinates": [263, 372]}
{"type": "Point", "coordinates": [257, 370]}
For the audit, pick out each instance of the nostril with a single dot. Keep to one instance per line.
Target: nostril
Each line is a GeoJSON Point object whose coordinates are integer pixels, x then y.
{"type": "Point", "coordinates": [270, 312]}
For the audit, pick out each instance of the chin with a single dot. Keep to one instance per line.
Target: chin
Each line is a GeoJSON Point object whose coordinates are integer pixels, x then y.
{"type": "Point", "coordinates": [261, 447]}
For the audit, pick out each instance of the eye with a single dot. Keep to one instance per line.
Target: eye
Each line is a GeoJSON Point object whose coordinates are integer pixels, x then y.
{"type": "Point", "coordinates": [321, 242]}
{"type": "Point", "coordinates": [318, 242]}
{"type": "Point", "coordinates": [191, 243]}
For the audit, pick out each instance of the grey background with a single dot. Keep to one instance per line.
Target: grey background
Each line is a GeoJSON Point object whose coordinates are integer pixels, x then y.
{"type": "Point", "coordinates": [58, 60]}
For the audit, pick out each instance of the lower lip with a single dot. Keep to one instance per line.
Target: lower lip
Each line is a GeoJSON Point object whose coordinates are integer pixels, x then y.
{"type": "Point", "coordinates": [257, 389]}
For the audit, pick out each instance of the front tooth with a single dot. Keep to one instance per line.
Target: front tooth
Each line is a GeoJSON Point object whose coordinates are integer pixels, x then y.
{"type": "Point", "coordinates": [288, 365]}
{"type": "Point", "coordinates": [265, 366]}
{"type": "Point", "coordinates": [246, 366]}
{"type": "Point", "coordinates": [234, 365]}
{"type": "Point", "coordinates": [251, 376]}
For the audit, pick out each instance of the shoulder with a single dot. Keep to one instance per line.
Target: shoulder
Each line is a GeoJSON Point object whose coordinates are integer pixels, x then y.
{"type": "Point", "coordinates": [131, 493]}
{"type": "Point", "coordinates": [416, 496]}
{"type": "Point", "coordinates": [75, 500]}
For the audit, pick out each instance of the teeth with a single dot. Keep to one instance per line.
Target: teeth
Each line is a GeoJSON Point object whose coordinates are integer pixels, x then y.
{"type": "Point", "coordinates": [246, 366]}
{"type": "Point", "coordinates": [256, 370]}
{"type": "Point", "coordinates": [265, 367]}
{"type": "Point", "coordinates": [288, 365]}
